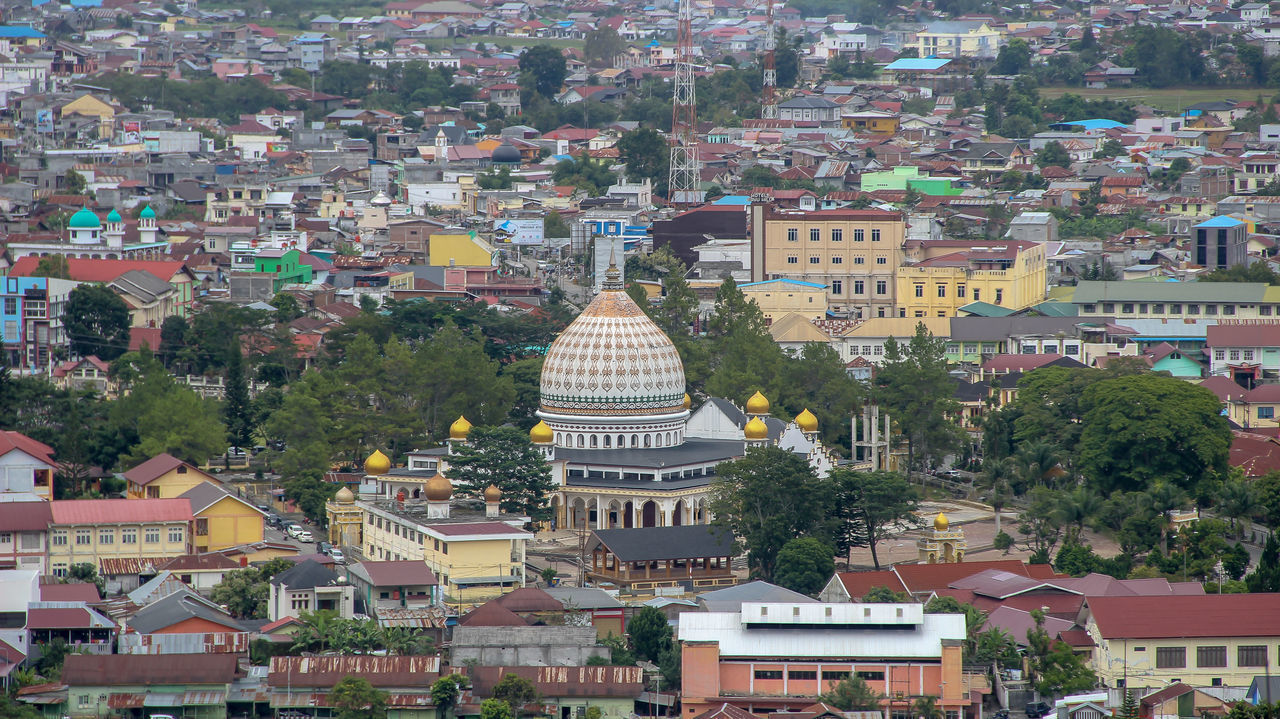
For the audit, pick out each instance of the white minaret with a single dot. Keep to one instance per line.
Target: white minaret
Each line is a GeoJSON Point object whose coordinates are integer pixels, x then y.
{"type": "Point", "coordinates": [115, 231]}
{"type": "Point", "coordinates": [147, 230]}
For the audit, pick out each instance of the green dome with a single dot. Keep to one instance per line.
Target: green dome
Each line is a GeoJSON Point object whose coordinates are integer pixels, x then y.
{"type": "Point", "coordinates": [84, 219]}
{"type": "Point", "coordinates": [147, 213]}
{"type": "Point", "coordinates": [114, 216]}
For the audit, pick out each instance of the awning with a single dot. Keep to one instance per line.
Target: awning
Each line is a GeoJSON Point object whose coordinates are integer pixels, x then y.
{"type": "Point", "coordinates": [205, 698]}
{"type": "Point", "coordinates": [299, 699]}
{"type": "Point", "coordinates": [499, 579]}
{"type": "Point", "coordinates": [125, 700]}
{"type": "Point", "coordinates": [163, 699]}
{"type": "Point", "coordinates": [57, 697]}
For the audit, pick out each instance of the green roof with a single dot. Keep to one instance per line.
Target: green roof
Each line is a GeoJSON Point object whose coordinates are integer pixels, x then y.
{"type": "Point", "coordinates": [1055, 309]}
{"type": "Point", "coordinates": [986, 309]}
{"type": "Point", "coordinates": [1092, 292]}
{"type": "Point", "coordinates": [114, 216]}
{"type": "Point", "coordinates": [147, 213]}
{"type": "Point", "coordinates": [84, 219]}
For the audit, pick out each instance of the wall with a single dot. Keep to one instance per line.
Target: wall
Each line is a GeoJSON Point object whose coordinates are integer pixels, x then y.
{"type": "Point", "coordinates": [231, 523]}
{"type": "Point", "coordinates": [171, 484]}
{"type": "Point", "coordinates": [63, 555]}
{"type": "Point", "coordinates": [557, 646]}
{"type": "Point", "coordinates": [1117, 659]}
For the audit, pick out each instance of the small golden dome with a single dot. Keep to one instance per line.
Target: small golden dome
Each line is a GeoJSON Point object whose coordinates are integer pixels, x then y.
{"type": "Point", "coordinates": [542, 433]}
{"type": "Point", "coordinates": [755, 429]}
{"type": "Point", "coordinates": [460, 428]}
{"type": "Point", "coordinates": [688, 401]}
{"type": "Point", "coordinates": [377, 463]}
{"type": "Point", "coordinates": [806, 421]}
{"type": "Point", "coordinates": [492, 493]}
{"type": "Point", "coordinates": [344, 496]}
{"type": "Point", "coordinates": [439, 488]}
{"type": "Point", "coordinates": [758, 404]}
{"type": "Point", "coordinates": [940, 522]}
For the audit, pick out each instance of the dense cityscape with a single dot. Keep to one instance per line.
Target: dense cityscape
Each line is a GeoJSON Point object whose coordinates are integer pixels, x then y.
{"type": "Point", "coordinates": [710, 359]}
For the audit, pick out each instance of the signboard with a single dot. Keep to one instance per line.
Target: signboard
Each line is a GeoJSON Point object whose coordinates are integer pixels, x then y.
{"type": "Point", "coordinates": [44, 121]}
{"type": "Point", "coordinates": [132, 133]}
{"type": "Point", "coordinates": [518, 232]}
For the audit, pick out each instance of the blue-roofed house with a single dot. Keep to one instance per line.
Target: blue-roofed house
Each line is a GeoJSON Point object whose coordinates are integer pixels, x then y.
{"type": "Point", "coordinates": [1220, 242]}
{"type": "Point", "coordinates": [919, 71]}
{"type": "Point", "coordinates": [16, 36]}
{"type": "Point", "coordinates": [777, 298]}
{"type": "Point", "coordinates": [1095, 125]}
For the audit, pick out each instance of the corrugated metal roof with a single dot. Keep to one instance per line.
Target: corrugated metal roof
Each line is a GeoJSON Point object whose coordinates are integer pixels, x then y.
{"type": "Point", "coordinates": [204, 698]}
{"type": "Point", "coordinates": [737, 640]}
{"type": "Point", "coordinates": [163, 699]}
{"type": "Point", "coordinates": [125, 700]}
{"type": "Point", "coordinates": [120, 511]}
{"type": "Point", "coordinates": [410, 671]}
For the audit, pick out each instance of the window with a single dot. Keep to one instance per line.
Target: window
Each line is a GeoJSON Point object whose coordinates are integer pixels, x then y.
{"type": "Point", "coordinates": [919, 290]}
{"type": "Point", "coordinates": [1235, 355]}
{"type": "Point", "coordinates": [128, 536]}
{"type": "Point", "coordinates": [1071, 349]}
{"type": "Point", "coordinates": [768, 674]}
{"type": "Point", "coordinates": [875, 235]}
{"type": "Point", "coordinates": [881, 261]}
{"type": "Point", "coordinates": [970, 349]}
{"type": "Point", "coordinates": [866, 350]}
{"type": "Point", "coordinates": [1175, 309]}
{"type": "Point", "coordinates": [815, 234]}
{"type": "Point", "coordinates": [837, 260]}
{"type": "Point", "coordinates": [871, 676]}
{"type": "Point", "coordinates": [953, 348]}
{"type": "Point", "coordinates": [11, 305]}
{"type": "Point", "coordinates": [1228, 309]}
{"type": "Point", "coordinates": [793, 235]}
{"type": "Point", "coordinates": [960, 291]}
{"type": "Point", "coordinates": [1253, 655]}
{"type": "Point", "coordinates": [1211, 656]}
{"type": "Point", "coordinates": [793, 260]}
{"type": "Point", "coordinates": [6, 537]}
{"type": "Point", "coordinates": [859, 260]}
{"type": "Point", "coordinates": [82, 700]}
{"type": "Point", "coordinates": [175, 534]}
{"type": "Point", "coordinates": [1248, 355]}
{"type": "Point", "coordinates": [837, 287]}
{"type": "Point", "coordinates": [59, 538]}
{"type": "Point", "coordinates": [837, 235]}
{"type": "Point", "coordinates": [1127, 308]}
{"type": "Point", "coordinates": [882, 287]}
{"type": "Point", "coordinates": [1264, 310]}
{"type": "Point", "coordinates": [977, 294]}
{"type": "Point", "coordinates": [106, 536]}
{"type": "Point", "coordinates": [1211, 309]}
{"type": "Point", "coordinates": [84, 536]}
{"type": "Point", "coordinates": [1090, 308]}
{"type": "Point", "coordinates": [879, 350]}
{"type": "Point", "coordinates": [999, 296]}
{"type": "Point", "coordinates": [1171, 657]}
{"type": "Point", "coordinates": [942, 290]}
{"type": "Point", "coordinates": [858, 287]}
{"type": "Point", "coordinates": [802, 674]}
{"type": "Point", "coordinates": [1266, 413]}
{"type": "Point", "coordinates": [1219, 355]}
{"type": "Point", "coordinates": [202, 527]}
{"type": "Point", "coordinates": [857, 235]}
{"type": "Point", "coordinates": [837, 676]}
{"type": "Point", "coordinates": [151, 535]}
{"type": "Point", "coordinates": [444, 547]}
{"type": "Point", "coordinates": [814, 260]}
{"type": "Point", "coordinates": [1157, 309]}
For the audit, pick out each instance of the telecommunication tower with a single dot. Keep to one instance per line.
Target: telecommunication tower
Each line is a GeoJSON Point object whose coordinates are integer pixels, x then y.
{"type": "Point", "coordinates": [769, 84]}
{"type": "Point", "coordinates": [683, 177]}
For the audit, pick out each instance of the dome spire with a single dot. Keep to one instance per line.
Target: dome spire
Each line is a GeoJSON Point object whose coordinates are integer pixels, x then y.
{"type": "Point", "coordinates": [612, 277]}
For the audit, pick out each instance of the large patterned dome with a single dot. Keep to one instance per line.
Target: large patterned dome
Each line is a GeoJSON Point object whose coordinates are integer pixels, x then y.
{"type": "Point", "coordinates": [613, 361]}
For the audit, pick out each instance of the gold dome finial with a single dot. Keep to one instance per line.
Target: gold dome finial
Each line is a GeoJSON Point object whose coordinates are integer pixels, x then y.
{"type": "Point", "coordinates": [492, 493]}
{"type": "Point", "coordinates": [460, 428]}
{"type": "Point", "coordinates": [344, 496]}
{"type": "Point", "coordinates": [758, 404]}
{"type": "Point", "coordinates": [377, 463]}
{"type": "Point", "coordinates": [806, 421]}
{"type": "Point", "coordinates": [542, 433]}
{"type": "Point", "coordinates": [688, 401]}
{"type": "Point", "coordinates": [439, 489]}
{"type": "Point", "coordinates": [940, 522]}
{"type": "Point", "coordinates": [756, 429]}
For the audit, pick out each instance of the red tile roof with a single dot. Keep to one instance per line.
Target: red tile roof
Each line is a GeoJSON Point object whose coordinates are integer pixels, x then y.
{"type": "Point", "coordinates": [1259, 334]}
{"type": "Point", "coordinates": [933, 577]}
{"type": "Point", "coordinates": [530, 599]}
{"type": "Point", "coordinates": [140, 335]}
{"type": "Point", "coordinates": [10, 440]}
{"type": "Point", "coordinates": [149, 669]}
{"type": "Point", "coordinates": [491, 614]}
{"type": "Point", "coordinates": [1019, 363]}
{"type": "Point", "coordinates": [857, 584]}
{"type": "Point", "coordinates": [84, 270]}
{"type": "Point", "coordinates": [64, 618]}
{"type": "Point", "coordinates": [25, 516]}
{"type": "Point", "coordinates": [120, 511]}
{"type": "Point", "coordinates": [1183, 617]}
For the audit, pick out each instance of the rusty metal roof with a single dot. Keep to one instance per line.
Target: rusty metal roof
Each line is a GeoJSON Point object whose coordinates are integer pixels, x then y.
{"type": "Point", "coordinates": [395, 671]}
{"type": "Point", "coordinates": [600, 681]}
{"type": "Point", "coordinates": [148, 670]}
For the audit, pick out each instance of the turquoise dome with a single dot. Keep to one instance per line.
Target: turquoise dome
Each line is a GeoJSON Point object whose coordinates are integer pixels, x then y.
{"type": "Point", "coordinates": [114, 216]}
{"type": "Point", "coordinates": [147, 213]}
{"type": "Point", "coordinates": [84, 219]}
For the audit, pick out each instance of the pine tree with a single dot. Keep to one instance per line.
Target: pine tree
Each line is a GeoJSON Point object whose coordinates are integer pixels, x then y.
{"type": "Point", "coordinates": [1266, 576]}
{"type": "Point", "coordinates": [236, 409]}
{"type": "Point", "coordinates": [1129, 709]}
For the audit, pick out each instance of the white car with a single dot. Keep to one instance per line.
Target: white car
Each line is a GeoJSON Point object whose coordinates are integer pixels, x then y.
{"type": "Point", "coordinates": [338, 556]}
{"type": "Point", "coordinates": [293, 529]}
{"type": "Point", "coordinates": [305, 536]}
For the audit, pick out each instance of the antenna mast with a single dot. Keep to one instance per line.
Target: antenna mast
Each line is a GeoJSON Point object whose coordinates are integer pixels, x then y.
{"type": "Point", "coordinates": [683, 178]}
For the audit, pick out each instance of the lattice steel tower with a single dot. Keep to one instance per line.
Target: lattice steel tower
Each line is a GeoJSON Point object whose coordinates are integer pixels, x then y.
{"type": "Point", "coordinates": [683, 179]}
{"type": "Point", "coordinates": [769, 84]}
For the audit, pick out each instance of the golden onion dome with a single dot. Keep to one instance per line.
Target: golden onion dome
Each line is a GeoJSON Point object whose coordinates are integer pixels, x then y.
{"type": "Point", "coordinates": [377, 463]}
{"type": "Point", "coordinates": [460, 428]}
{"type": "Point", "coordinates": [940, 522]}
{"type": "Point", "coordinates": [688, 401]}
{"type": "Point", "coordinates": [758, 404]}
{"type": "Point", "coordinates": [806, 421]}
{"type": "Point", "coordinates": [755, 429]}
{"type": "Point", "coordinates": [542, 433]}
{"type": "Point", "coordinates": [492, 493]}
{"type": "Point", "coordinates": [344, 496]}
{"type": "Point", "coordinates": [439, 489]}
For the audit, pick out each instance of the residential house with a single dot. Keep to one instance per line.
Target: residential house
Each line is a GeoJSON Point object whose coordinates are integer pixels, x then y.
{"type": "Point", "coordinates": [26, 467]}
{"type": "Point", "coordinates": [779, 297]}
{"type": "Point", "coordinates": [959, 38]}
{"type": "Point", "coordinates": [177, 622]}
{"type": "Point", "coordinates": [605, 611]}
{"type": "Point", "coordinates": [24, 534]}
{"type": "Point", "coordinates": [120, 537]}
{"type": "Point", "coordinates": [164, 476]}
{"type": "Point", "coordinates": [201, 572]}
{"type": "Point", "coordinates": [866, 340]}
{"type": "Point", "coordinates": [177, 684]}
{"type": "Point", "coordinates": [1220, 243]}
{"type": "Point", "coordinates": [222, 520]}
{"type": "Point", "coordinates": [87, 374]}
{"type": "Point", "coordinates": [390, 585]}
{"type": "Point", "coordinates": [303, 684]}
{"type": "Point", "coordinates": [111, 271]}
{"type": "Point", "coordinates": [31, 329]}
{"type": "Point", "coordinates": [1247, 351]}
{"type": "Point", "coordinates": [309, 586]}
{"type": "Point", "coordinates": [809, 109]}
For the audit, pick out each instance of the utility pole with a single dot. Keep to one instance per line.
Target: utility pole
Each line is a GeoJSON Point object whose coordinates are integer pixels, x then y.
{"type": "Point", "coordinates": [683, 177]}
{"type": "Point", "coordinates": [769, 84]}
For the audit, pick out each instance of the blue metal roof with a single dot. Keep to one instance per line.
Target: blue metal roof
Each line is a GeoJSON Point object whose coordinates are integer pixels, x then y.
{"type": "Point", "coordinates": [784, 280]}
{"type": "Point", "coordinates": [1221, 221]}
{"type": "Point", "coordinates": [736, 200]}
{"type": "Point", "coordinates": [1098, 124]}
{"type": "Point", "coordinates": [13, 31]}
{"type": "Point", "coordinates": [917, 63]}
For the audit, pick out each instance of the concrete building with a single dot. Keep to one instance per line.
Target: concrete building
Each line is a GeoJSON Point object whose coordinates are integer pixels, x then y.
{"type": "Point", "coordinates": [776, 298]}
{"type": "Point", "coordinates": [309, 586]}
{"type": "Point", "coordinates": [93, 531]}
{"type": "Point", "coordinates": [1220, 243]}
{"type": "Point", "coordinates": [945, 275]}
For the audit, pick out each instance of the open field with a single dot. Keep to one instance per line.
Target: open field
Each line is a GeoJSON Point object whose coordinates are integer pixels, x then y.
{"type": "Point", "coordinates": [1172, 99]}
{"type": "Point", "coordinates": [503, 41]}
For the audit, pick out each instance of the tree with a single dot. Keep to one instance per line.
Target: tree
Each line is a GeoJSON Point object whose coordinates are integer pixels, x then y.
{"type": "Point", "coordinates": [495, 709]}
{"type": "Point", "coordinates": [236, 409]}
{"type": "Point", "coordinates": [1235, 561]}
{"type": "Point", "coordinates": [646, 156]}
{"type": "Point", "coordinates": [851, 694]}
{"type": "Point", "coordinates": [356, 698]}
{"type": "Point", "coordinates": [54, 266]}
{"type": "Point", "coordinates": [445, 693]}
{"type": "Point", "coordinates": [1129, 706]}
{"type": "Point", "coordinates": [804, 565]}
{"type": "Point", "coordinates": [1265, 577]}
{"type": "Point", "coordinates": [542, 69]}
{"type": "Point", "coordinates": [602, 45]}
{"type": "Point", "coordinates": [515, 691]}
{"type": "Point", "coordinates": [1055, 667]}
{"type": "Point", "coordinates": [287, 307]}
{"type": "Point", "coordinates": [75, 183]}
{"type": "Point", "coordinates": [650, 633]}
{"type": "Point", "coordinates": [173, 339]}
{"type": "Point", "coordinates": [767, 498]}
{"type": "Point", "coordinates": [505, 457]}
{"type": "Point", "coordinates": [584, 172]}
{"type": "Point", "coordinates": [1040, 523]}
{"type": "Point", "coordinates": [88, 574]}
{"type": "Point", "coordinates": [553, 225]}
{"type": "Point", "coordinates": [884, 595]}
{"type": "Point", "coordinates": [244, 592]}
{"type": "Point", "coordinates": [927, 708]}
{"type": "Point", "coordinates": [996, 646]}
{"type": "Point", "coordinates": [913, 386]}
{"type": "Point", "coordinates": [1014, 58]}
{"type": "Point", "coordinates": [97, 322]}
{"type": "Point", "coordinates": [1053, 154]}
{"type": "Point", "coordinates": [871, 507]}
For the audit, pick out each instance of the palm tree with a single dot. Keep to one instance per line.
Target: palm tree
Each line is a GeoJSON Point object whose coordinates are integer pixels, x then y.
{"type": "Point", "coordinates": [1042, 461]}
{"type": "Point", "coordinates": [1236, 501]}
{"type": "Point", "coordinates": [1079, 506]}
{"type": "Point", "coordinates": [1161, 499]}
{"type": "Point", "coordinates": [927, 708]}
{"type": "Point", "coordinates": [997, 475]}
{"type": "Point", "coordinates": [317, 631]}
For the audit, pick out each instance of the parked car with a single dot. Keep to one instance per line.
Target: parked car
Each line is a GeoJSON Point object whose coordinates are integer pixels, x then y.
{"type": "Point", "coordinates": [324, 547]}
{"type": "Point", "coordinates": [305, 536]}
{"type": "Point", "coordinates": [338, 556]}
{"type": "Point", "coordinates": [294, 529]}
{"type": "Point", "coordinates": [1035, 710]}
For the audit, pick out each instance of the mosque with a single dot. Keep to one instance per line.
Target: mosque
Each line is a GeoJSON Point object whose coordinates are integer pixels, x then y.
{"type": "Point", "coordinates": [616, 427]}
{"type": "Point", "coordinates": [89, 237]}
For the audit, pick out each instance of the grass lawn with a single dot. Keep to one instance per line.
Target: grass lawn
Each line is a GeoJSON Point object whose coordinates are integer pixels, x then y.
{"type": "Point", "coordinates": [1172, 99]}
{"type": "Point", "coordinates": [502, 41]}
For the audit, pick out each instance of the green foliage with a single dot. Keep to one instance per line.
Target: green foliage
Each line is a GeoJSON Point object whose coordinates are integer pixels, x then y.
{"type": "Point", "coordinates": [1071, 107]}
{"type": "Point", "coordinates": [1163, 56]}
{"type": "Point", "coordinates": [553, 225]}
{"type": "Point", "coordinates": [495, 709]}
{"type": "Point", "coordinates": [587, 174]}
{"type": "Point", "coordinates": [884, 595]}
{"type": "Point", "coordinates": [446, 691]}
{"type": "Point", "coordinates": [236, 405]}
{"type": "Point", "coordinates": [1255, 272]}
{"type": "Point", "coordinates": [1079, 559]}
{"type": "Point", "coordinates": [996, 646]}
{"type": "Point", "coordinates": [871, 507]}
{"type": "Point", "coordinates": [649, 633]}
{"type": "Point", "coordinates": [542, 69]}
{"type": "Point", "coordinates": [499, 179]}
{"type": "Point", "coordinates": [202, 97]}
{"type": "Point", "coordinates": [913, 386]}
{"type": "Point", "coordinates": [97, 322]}
{"type": "Point", "coordinates": [602, 45]}
{"type": "Point", "coordinates": [851, 694]}
{"type": "Point", "coordinates": [52, 656]}
{"type": "Point", "coordinates": [1056, 669]}
{"type": "Point", "coordinates": [53, 266]}
{"type": "Point", "coordinates": [244, 592]}
{"type": "Point", "coordinates": [515, 691]}
{"type": "Point", "coordinates": [503, 456]}
{"type": "Point", "coordinates": [1014, 58]}
{"type": "Point", "coordinates": [804, 565]}
{"type": "Point", "coordinates": [356, 698]}
{"type": "Point", "coordinates": [1053, 154]}
{"type": "Point", "coordinates": [767, 498]}
{"type": "Point", "coordinates": [159, 415]}
{"type": "Point", "coordinates": [87, 573]}
{"type": "Point", "coordinates": [1265, 577]}
{"type": "Point", "coordinates": [645, 153]}
{"type": "Point", "coordinates": [1002, 541]}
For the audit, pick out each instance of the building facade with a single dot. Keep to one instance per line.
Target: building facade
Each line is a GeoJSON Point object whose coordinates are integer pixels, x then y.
{"type": "Point", "coordinates": [88, 531]}
{"type": "Point", "coordinates": [945, 275]}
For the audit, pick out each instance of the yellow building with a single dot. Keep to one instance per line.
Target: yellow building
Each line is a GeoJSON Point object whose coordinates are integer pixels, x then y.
{"type": "Point", "coordinates": [1202, 640]}
{"type": "Point", "coordinates": [872, 121]}
{"type": "Point", "coordinates": [776, 298]}
{"type": "Point", "coordinates": [89, 531]}
{"type": "Point", "coordinates": [853, 253]}
{"type": "Point", "coordinates": [164, 476]}
{"type": "Point", "coordinates": [89, 106]}
{"type": "Point", "coordinates": [222, 520]}
{"type": "Point", "coordinates": [460, 249]}
{"type": "Point", "coordinates": [955, 39]}
{"type": "Point", "coordinates": [949, 274]}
